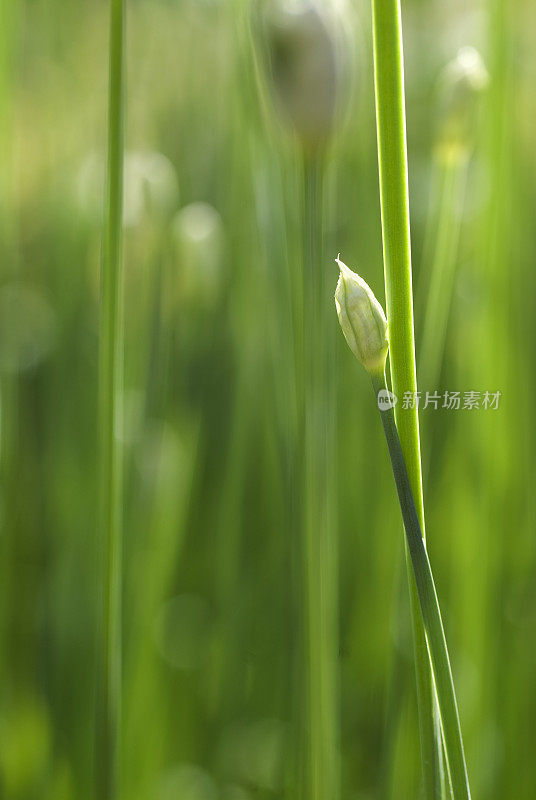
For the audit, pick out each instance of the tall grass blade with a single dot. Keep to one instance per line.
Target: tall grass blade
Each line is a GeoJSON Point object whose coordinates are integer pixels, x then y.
{"type": "Point", "coordinates": [107, 751]}
{"type": "Point", "coordinates": [392, 160]}
{"type": "Point", "coordinates": [321, 770]}
{"type": "Point", "coordinates": [442, 273]}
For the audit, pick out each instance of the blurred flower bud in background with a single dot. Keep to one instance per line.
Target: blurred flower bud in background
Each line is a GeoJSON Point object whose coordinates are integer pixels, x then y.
{"type": "Point", "coordinates": [308, 53]}
{"type": "Point", "coordinates": [150, 191]}
{"type": "Point", "coordinates": [460, 87]}
{"type": "Point", "coordinates": [198, 239]}
{"type": "Point", "coordinates": [150, 198]}
{"type": "Point", "coordinates": [151, 188]}
{"type": "Point", "coordinates": [194, 306]}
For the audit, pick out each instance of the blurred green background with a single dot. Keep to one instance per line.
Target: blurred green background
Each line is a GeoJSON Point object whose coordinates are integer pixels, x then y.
{"type": "Point", "coordinates": [211, 236]}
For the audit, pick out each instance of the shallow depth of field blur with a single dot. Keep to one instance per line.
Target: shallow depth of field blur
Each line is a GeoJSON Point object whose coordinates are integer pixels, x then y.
{"type": "Point", "coordinates": [211, 233]}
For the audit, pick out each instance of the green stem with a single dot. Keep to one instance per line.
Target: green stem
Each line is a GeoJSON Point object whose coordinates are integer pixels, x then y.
{"type": "Point", "coordinates": [110, 397]}
{"type": "Point", "coordinates": [442, 273]}
{"type": "Point", "coordinates": [392, 161]}
{"type": "Point", "coordinates": [321, 772]}
{"type": "Point", "coordinates": [8, 384]}
{"type": "Point", "coordinates": [431, 615]}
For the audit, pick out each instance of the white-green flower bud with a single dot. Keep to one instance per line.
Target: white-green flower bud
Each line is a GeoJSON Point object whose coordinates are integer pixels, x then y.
{"type": "Point", "coordinates": [461, 83]}
{"type": "Point", "coordinates": [362, 319]}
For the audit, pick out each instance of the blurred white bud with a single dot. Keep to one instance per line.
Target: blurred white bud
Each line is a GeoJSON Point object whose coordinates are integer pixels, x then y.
{"type": "Point", "coordinates": [461, 84]}
{"type": "Point", "coordinates": [362, 319]}
{"type": "Point", "coordinates": [28, 327]}
{"type": "Point", "coordinates": [308, 52]}
{"type": "Point", "coordinates": [198, 236]}
{"type": "Point", "coordinates": [150, 187]}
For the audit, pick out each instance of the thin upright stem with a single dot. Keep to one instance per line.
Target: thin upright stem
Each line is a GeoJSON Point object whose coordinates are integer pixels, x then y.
{"type": "Point", "coordinates": [8, 383]}
{"type": "Point", "coordinates": [442, 272]}
{"type": "Point", "coordinates": [321, 778]}
{"type": "Point", "coordinates": [392, 161]}
{"type": "Point", "coordinates": [429, 605]}
{"type": "Point", "coordinates": [110, 397]}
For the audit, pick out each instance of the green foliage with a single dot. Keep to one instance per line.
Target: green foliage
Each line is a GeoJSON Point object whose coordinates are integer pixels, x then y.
{"type": "Point", "coordinates": [209, 411]}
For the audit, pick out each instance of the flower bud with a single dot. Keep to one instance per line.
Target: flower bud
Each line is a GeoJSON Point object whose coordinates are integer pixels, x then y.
{"type": "Point", "coordinates": [150, 187]}
{"type": "Point", "coordinates": [462, 82]}
{"type": "Point", "coordinates": [198, 235]}
{"type": "Point", "coordinates": [362, 319]}
{"type": "Point", "coordinates": [308, 58]}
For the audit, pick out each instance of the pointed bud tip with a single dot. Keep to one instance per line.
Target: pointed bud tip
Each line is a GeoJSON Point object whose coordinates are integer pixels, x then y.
{"type": "Point", "coordinates": [344, 270]}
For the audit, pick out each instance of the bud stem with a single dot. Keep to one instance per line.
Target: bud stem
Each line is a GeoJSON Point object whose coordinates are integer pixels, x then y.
{"type": "Point", "coordinates": [431, 615]}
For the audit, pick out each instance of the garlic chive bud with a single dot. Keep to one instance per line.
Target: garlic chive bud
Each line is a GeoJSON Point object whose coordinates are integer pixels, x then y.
{"type": "Point", "coordinates": [460, 86]}
{"type": "Point", "coordinates": [362, 319]}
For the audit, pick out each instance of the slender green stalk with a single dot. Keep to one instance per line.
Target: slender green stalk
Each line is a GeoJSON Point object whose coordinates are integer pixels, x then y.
{"type": "Point", "coordinates": [8, 13]}
{"type": "Point", "coordinates": [110, 397]}
{"type": "Point", "coordinates": [321, 772]}
{"type": "Point", "coordinates": [162, 513]}
{"type": "Point", "coordinates": [8, 384]}
{"type": "Point", "coordinates": [452, 180]}
{"type": "Point", "coordinates": [431, 615]}
{"type": "Point", "coordinates": [392, 160]}
{"type": "Point", "coordinates": [442, 272]}
{"type": "Point", "coordinates": [436, 305]}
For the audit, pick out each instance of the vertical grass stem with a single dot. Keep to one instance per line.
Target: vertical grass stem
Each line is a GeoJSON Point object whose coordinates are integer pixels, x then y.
{"type": "Point", "coordinates": [392, 161]}
{"type": "Point", "coordinates": [110, 398]}
{"type": "Point", "coordinates": [318, 542]}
